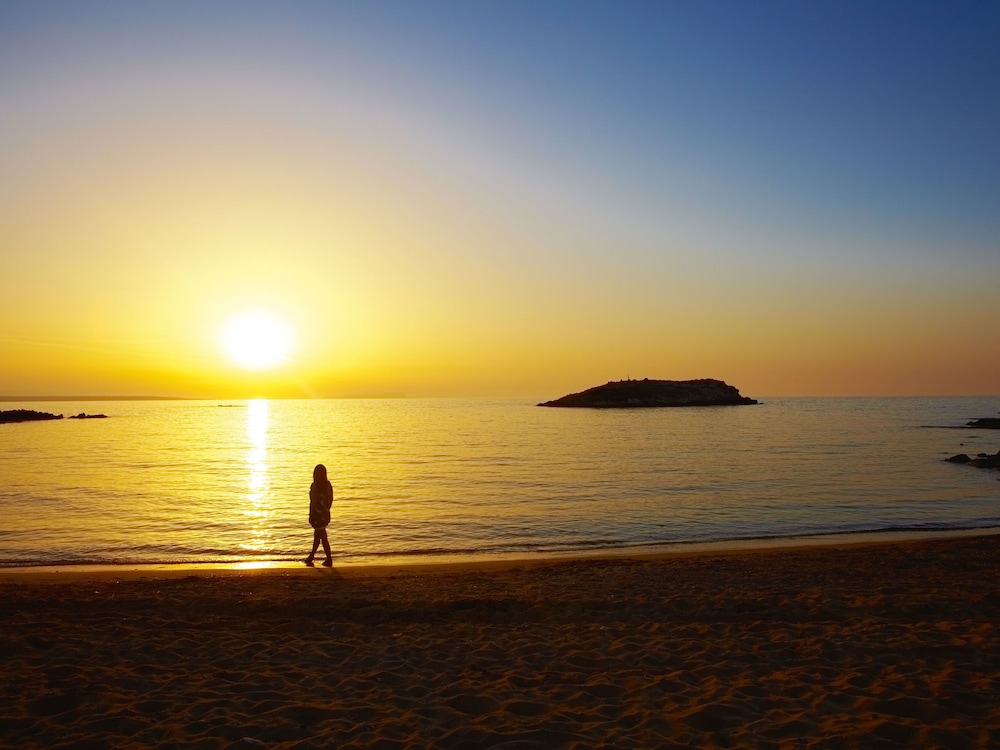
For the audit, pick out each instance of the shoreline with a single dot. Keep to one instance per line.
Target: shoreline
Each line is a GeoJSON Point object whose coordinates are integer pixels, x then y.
{"type": "Point", "coordinates": [393, 565]}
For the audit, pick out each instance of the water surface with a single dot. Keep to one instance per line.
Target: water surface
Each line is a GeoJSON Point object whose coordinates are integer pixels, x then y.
{"type": "Point", "coordinates": [205, 481]}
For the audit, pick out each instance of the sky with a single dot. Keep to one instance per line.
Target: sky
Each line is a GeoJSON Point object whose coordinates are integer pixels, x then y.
{"type": "Point", "coordinates": [499, 198]}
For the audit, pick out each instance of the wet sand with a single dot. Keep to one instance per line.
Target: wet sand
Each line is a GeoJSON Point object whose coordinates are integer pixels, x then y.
{"type": "Point", "coordinates": [873, 645]}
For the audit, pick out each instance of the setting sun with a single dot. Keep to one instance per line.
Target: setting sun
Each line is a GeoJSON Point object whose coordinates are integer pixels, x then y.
{"type": "Point", "coordinates": [257, 339]}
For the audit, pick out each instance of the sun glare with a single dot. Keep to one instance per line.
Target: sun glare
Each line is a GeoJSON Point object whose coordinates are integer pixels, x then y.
{"type": "Point", "coordinates": [257, 339]}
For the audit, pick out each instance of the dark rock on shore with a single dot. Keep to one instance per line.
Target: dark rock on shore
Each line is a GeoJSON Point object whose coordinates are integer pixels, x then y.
{"type": "Point", "coordinates": [961, 458]}
{"type": "Point", "coordinates": [83, 415]}
{"type": "Point", "coordinates": [26, 415]}
{"type": "Point", "coordinates": [624, 394]}
{"type": "Point", "coordinates": [987, 423]}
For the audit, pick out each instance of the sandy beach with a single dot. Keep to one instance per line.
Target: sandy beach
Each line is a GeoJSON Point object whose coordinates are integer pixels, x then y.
{"type": "Point", "coordinates": [867, 645]}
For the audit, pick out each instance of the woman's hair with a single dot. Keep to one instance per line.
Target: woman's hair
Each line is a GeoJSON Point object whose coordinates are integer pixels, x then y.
{"type": "Point", "coordinates": [319, 473]}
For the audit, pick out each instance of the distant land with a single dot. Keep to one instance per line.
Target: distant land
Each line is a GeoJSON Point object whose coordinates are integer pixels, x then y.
{"type": "Point", "coordinates": [626, 394]}
{"type": "Point", "coordinates": [26, 415]}
{"type": "Point", "coordinates": [91, 398]}
{"type": "Point", "coordinates": [30, 415]}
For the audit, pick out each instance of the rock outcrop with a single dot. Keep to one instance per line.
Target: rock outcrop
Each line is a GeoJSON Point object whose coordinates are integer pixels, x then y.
{"type": "Point", "coordinates": [26, 415]}
{"type": "Point", "coordinates": [986, 462]}
{"type": "Point", "coordinates": [624, 394]}
{"type": "Point", "coordinates": [987, 423]}
{"type": "Point", "coordinates": [981, 461]}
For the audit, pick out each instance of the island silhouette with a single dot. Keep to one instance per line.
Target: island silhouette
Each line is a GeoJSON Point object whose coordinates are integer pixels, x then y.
{"type": "Point", "coordinates": [26, 415]}
{"type": "Point", "coordinates": [30, 415]}
{"type": "Point", "coordinates": [626, 394]}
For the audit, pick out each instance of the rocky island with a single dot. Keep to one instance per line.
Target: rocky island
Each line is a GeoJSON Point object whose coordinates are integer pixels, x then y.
{"type": "Point", "coordinates": [29, 415]}
{"type": "Point", "coordinates": [26, 415]}
{"type": "Point", "coordinates": [625, 394]}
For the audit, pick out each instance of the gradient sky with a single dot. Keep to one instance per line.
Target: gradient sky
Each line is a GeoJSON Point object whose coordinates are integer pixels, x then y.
{"type": "Point", "coordinates": [501, 198]}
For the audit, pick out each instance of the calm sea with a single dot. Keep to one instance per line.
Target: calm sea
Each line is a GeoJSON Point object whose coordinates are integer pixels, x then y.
{"type": "Point", "coordinates": [204, 481]}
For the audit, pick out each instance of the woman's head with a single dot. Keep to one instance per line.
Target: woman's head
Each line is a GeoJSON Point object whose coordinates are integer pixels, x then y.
{"type": "Point", "coordinates": [319, 473]}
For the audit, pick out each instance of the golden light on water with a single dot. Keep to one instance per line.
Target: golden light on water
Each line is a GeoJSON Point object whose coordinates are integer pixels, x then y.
{"type": "Point", "coordinates": [258, 507]}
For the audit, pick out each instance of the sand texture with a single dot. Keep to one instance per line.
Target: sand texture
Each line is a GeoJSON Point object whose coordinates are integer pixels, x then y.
{"type": "Point", "coordinates": [862, 646]}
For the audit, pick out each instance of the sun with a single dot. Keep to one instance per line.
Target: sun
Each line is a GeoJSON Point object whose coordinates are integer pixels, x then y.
{"type": "Point", "coordinates": [257, 339]}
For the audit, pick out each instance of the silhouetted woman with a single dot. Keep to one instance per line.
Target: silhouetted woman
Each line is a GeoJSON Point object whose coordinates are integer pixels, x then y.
{"type": "Point", "coordinates": [320, 500]}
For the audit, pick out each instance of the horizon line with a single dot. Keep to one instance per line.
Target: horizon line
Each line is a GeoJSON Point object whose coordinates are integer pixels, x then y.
{"type": "Point", "coordinates": [57, 398]}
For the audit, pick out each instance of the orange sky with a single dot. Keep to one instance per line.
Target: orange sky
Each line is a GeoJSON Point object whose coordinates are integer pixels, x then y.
{"type": "Point", "coordinates": [432, 219]}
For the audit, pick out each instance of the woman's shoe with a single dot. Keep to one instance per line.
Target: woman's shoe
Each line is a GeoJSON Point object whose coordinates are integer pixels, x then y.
{"type": "Point", "coordinates": [309, 561]}
{"type": "Point", "coordinates": [328, 563]}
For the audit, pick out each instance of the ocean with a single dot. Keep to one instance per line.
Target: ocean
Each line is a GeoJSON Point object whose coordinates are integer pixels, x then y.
{"type": "Point", "coordinates": [228, 481]}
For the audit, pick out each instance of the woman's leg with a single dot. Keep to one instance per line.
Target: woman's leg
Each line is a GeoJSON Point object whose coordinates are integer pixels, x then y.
{"type": "Point", "coordinates": [316, 540]}
{"type": "Point", "coordinates": [326, 545]}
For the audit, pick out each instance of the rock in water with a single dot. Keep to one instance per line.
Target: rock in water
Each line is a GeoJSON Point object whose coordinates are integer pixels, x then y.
{"type": "Point", "coordinates": [981, 461]}
{"type": "Point", "coordinates": [987, 423]}
{"type": "Point", "coordinates": [961, 458]}
{"type": "Point", "coordinates": [623, 394]}
{"type": "Point", "coordinates": [26, 415]}
{"type": "Point", "coordinates": [986, 462]}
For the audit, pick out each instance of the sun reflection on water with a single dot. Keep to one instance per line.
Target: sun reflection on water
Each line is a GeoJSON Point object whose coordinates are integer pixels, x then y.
{"type": "Point", "coordinates": [258, 507]}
